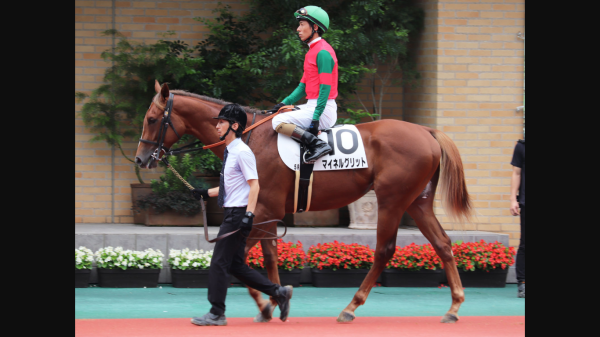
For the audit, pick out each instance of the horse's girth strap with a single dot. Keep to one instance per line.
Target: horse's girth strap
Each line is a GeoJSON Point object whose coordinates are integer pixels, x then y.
{"type": "Point", "coordinates": [284, 108]}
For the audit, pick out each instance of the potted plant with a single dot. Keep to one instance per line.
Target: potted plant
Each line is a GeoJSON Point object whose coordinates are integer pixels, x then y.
{"type": "Point", "coordinates": [335, 264]}
{"type": "Point", "coordinates": [290, 261]}
{"type": "Point", "coordinates": [413, 266]}
{"type": "Point", "coordinates": [83, 267]}
{"type": "Point", "coordinates": [189, 268]}
{"type": "Point", "coordinates": [118, 268]}
{"type": "Point", "coordinates": [171, 203]}
{"type": "Point", "coordinates": [482, 264]}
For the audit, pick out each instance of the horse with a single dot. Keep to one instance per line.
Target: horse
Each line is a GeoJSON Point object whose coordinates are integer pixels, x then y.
{"type": "Point", "coordinates": [406, 163]}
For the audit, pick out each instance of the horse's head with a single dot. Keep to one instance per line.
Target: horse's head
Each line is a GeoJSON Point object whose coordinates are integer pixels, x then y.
{"type": "Point", "coordinates": [154, 119]}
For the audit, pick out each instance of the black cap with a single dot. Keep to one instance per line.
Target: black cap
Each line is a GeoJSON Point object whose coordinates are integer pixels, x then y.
{"type": "Point", "coordinates": [234, 114]}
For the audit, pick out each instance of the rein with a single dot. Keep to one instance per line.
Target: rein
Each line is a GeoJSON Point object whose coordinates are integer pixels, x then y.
{"type": "Point", "coordinates": [191, 188]}
{"type": "Point", "coordinates": [165, 123]}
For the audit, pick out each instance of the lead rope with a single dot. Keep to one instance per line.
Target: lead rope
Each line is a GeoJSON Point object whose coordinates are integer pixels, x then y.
{"type": "Point", "coordinates": [191, 188]}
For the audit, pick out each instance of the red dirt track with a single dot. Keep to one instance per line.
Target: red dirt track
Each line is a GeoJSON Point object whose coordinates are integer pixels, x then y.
{"type": "Point", "coordinates": [476, 326]}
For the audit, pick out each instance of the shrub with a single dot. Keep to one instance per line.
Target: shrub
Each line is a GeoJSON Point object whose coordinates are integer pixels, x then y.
{"type": "Point", "coordinates": [169, 193]}
{"type": "Point", "coordinates": [83, 258]}
{"type": "Point", "coordinates": [482, 255]}
{"type": "Point", "coordinates": [109, 258]}
{"type": "Point", "coordinates": [415, 257]}
{"type": "Point", "coordinates": [289, 256]}
{"type": "Point", "coordinates": [190, 259]}
{"type": "Point", "coordinates": [334, 255]}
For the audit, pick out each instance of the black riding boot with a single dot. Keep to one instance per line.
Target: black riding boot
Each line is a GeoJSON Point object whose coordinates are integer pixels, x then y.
{"type": "Point", "coordinates": [316, 146]}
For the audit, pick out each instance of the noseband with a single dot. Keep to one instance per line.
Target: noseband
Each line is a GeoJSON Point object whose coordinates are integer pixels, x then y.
{"type": "Point", "coordinates": [162, 132]}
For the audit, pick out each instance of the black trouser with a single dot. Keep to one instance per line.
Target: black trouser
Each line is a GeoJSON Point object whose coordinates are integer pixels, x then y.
{"type": "Point", "coordinates": [521, 251]}
{"type": "Point", "coordinates": [228, 258]}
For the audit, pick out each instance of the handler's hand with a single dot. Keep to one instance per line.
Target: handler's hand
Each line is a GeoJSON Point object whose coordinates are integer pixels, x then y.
{"type": "Point", "coordinates": [247, 221]}
{"type": "Point", "coordinates": [514, 208]}
{"type": "Point", "coordinates": [200, 192]}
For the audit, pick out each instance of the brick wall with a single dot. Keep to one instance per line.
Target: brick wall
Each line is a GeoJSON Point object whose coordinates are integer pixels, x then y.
{"type": "Point", "coordinates": [473, 64]}
{"type": "Point", "coordinates": [143, 21]}
{"type": "Point", "coordinates": [469, 57]}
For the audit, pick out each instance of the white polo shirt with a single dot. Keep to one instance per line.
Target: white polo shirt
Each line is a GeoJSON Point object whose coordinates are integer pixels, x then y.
{"type": "Point", "coordinates": [239, 168]}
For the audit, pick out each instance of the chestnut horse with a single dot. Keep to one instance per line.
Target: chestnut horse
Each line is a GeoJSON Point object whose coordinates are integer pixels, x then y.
{"type": "Point", "coordinates": [405, 164]}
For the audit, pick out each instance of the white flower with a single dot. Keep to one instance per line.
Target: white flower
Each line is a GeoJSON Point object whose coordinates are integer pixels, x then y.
{"type": "Point", "coordinates": [195, 264]}
{"type": "Point", "coordinates": [108, 259]}
{"type": "Point", "coordinates": [176, 263]}
{"type": "Point", "coordinates": [185, 264]}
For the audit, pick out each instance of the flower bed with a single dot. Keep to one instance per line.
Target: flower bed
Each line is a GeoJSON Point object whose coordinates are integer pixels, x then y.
{"type": "Point", "coordinates": [290, 261]}
{"type": "Point", "coordinates": [482, 264]}
{"type": "Point", "coordinates": [335, 255]}
{"type": "Point", "coordinates": [483, 256]}
{"type": "Point", "coordinates": [336, 264]}
{"type": "Point", "coordinates": [289, 256]}
{"type": "Point", "coordinates": [413, 266]}
{"type": "Point", "coordinates": [83, 267]}
{"type": "Point", "coordinates": [120, 268]}
{"type": "Point", "coordinates": [189, 268]}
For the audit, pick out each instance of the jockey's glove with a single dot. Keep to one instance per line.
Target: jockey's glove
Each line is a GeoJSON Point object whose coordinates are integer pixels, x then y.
{"type": "Point", "coordinates": [314, 127]}
{"type": "Point", "coordinates": [276, 107]}
{"type": "Point", "coordinates": [247, 221]}
{"type": "Point", "coordinates": [200, 192]}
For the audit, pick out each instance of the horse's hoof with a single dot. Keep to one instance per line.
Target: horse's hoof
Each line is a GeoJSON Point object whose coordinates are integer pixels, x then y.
{"type": "Point", "coordinates": [265, 315]}
{"type": "Point", "coordinates": [449, 318]}
{"type": "Point", "coordinates": [345, 317]}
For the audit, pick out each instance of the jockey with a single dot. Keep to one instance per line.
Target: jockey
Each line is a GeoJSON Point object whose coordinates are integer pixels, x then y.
{"type": "Point", "coordinates": [319, 84]}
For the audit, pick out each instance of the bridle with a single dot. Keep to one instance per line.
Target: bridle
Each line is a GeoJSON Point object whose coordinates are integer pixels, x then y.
{"type": "Point", "coordinates": [164, 126]}
{"type": "Point", "coordinates": [162, 132]}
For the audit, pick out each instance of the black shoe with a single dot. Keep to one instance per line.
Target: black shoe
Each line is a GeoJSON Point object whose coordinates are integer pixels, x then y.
{"type": "Point", "coordinates": [283, 296]}
{"type": "Point", "coordinates": [521, 293]}
{"type": "Point", "coordinates": [210, 319]}
{"type": "Point", "coordinates": [317, 147]}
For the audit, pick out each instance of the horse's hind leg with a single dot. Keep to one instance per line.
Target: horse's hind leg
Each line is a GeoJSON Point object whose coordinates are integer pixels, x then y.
{"type": "Point", "coordinates": [387, 230]}
{"type": "Point", "coordinates": [421, 210]}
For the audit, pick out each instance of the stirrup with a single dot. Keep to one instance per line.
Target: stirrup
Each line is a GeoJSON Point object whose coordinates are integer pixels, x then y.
{"type": "Point", "coordinates": [304, 159]}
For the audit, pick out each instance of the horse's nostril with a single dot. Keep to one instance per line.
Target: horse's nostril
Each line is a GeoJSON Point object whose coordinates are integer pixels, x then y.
{"type": "Point", "coordinates": [138, 161]}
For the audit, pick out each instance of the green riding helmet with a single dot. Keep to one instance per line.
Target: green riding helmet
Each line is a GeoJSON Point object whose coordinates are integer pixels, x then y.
{"type": "Point", "coordinates": [314, 14]}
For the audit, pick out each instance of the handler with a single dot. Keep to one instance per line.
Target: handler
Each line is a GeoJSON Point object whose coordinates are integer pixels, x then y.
{"type": "Point", "coordinates": [237, 193]}
{"type": "Point", "coordinates": [319, 84]}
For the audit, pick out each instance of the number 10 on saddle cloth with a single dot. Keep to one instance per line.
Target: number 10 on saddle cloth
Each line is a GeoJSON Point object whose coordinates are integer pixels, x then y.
{"type": "Point", "coordinates": [345, 140]}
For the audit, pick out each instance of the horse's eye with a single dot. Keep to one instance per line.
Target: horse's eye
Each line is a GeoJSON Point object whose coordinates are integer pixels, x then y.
{"type": "Point", "coordinates": [151, 120]}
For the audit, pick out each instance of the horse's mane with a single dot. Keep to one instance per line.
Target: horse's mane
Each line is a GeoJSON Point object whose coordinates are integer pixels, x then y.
{"type": "Point", "coordinates": [207, 99]}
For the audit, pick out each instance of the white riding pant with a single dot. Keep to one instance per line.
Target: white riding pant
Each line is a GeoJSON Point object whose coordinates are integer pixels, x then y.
{"type": "Point", "coordinates": [304, 116]}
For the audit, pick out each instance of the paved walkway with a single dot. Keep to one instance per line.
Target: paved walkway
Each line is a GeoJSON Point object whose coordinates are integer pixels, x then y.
{"type": "Point", "coordinates": [308, 301]}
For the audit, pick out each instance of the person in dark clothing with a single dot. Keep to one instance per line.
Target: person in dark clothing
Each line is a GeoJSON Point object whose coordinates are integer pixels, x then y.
{"type": "Point", "coordinates": [517, 207]}
{"type": "Point", "coordinates": [237, 193]}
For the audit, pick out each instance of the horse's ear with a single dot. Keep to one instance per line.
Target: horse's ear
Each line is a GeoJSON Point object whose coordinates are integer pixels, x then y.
{"type": "Point", "coordinates": [164, 91]}
{"type": "Point", "coordinates": [156, 86]}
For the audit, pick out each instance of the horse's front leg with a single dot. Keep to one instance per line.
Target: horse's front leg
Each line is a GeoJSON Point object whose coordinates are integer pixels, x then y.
{"type": "Point", "coordinates": [256, 295]}
{"type": "Point", "coordinates": [269, 248]}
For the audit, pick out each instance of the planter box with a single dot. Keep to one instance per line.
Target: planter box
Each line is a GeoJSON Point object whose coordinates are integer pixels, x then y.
{"type": "Point", "coordinates": [286, 277]}
{"type": "Point", "coordinates": [481, 279]}
{"type": "Point", "coordinates": [406, 278]}
{"type": "Point", "coordinates": [82, 278]}
{"type": "Point", "coordinates": [138, 191]}
{"type": "Point", "coordinates": [363, 212]}
{"type": "Point", "coordinates": [172, 218]}
{"type": "Point", "coordinates": [341, 278]}
{"type": "Point", "coordinates": [130, 278]}
{"type": "Point", "coordinates": [189, 278]}
{"type": "Point", "coordinates": [318, 218]}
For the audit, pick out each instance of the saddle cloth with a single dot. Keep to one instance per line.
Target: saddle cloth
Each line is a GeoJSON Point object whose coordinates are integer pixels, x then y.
{"type": "Point", "coordinates": [345, 140]}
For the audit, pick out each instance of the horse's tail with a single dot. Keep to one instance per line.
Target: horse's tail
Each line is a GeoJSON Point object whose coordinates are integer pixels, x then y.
{"type": "Point", "coordinates": [455, 197]}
